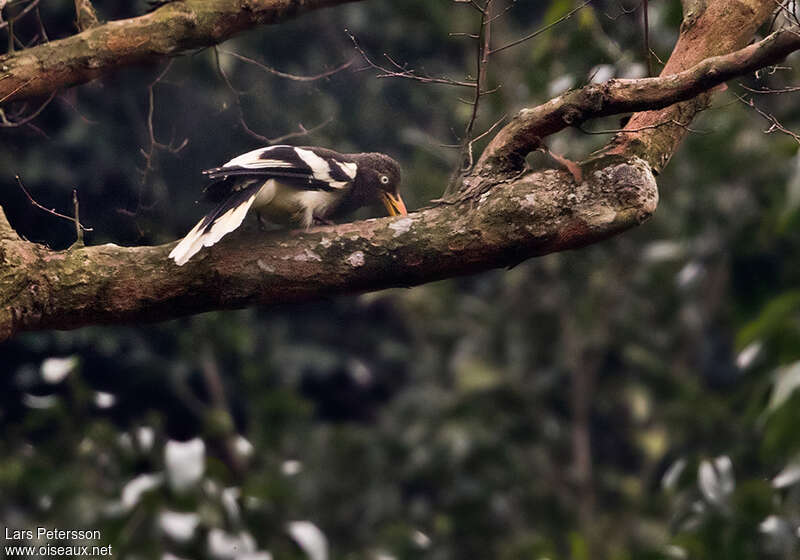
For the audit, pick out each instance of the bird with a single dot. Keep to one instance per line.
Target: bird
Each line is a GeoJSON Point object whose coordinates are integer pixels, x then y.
{"type": "Point", "coordinates": [291, 186]}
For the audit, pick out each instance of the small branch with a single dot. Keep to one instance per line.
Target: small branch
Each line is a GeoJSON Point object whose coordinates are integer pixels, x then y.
{"type": "Point", "coordinates": [85, 15]}
{"type": "Point", "coordinates": [5, 123]}
{"type": "Point", "coordinates": [466, 157]}
{"type": "Point", "coordinates": [516, 220]}
{"type": "Point", "coordinates": [172, 30]}
{"type": "Point", "coordinates": [303, 131]}
{"type": "Point", "coordinates": [765, 91]}
{"type": "Point", "coordinates": [635, 130]}
{"type": "Point", "coordinates": [280, 74]}
{"type": "Point", "coordinates": [538, 32]}
{"type": "Point", "coordinates": [403, 73]}
{"type": "Point", "coordinates": [711, 28]}
{"type": "Point", "coordinates": [153, 143]}
{"type": "Point", "coordinates": [523, 134]}
{"type": "Point", "coordinates": [10, 21]}
{"type": "Point", "coordinates": [78, 227]}
{"type": "Point", "coordinates": [52, 212]}
{"type": "Point", "coordinates": [775, 124]}
{"type": "Point", "coordinates": [237, 95]}
{"type": "Point", "coordinates": [646, 37]}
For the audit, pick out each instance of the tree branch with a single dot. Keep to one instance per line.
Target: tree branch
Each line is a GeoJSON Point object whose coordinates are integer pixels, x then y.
{"type": "Point", "coordinates": [539, 213]}
{"type": "Point", "coordinates": [503, 216]}
{"type": "Point", "coordinates": [169, 31]}
{"type": "Point", "coordinates": [507, 151]}
{"type": "Point", "coordinates": [710, 28]}
{"type": "Point", "coordinates": [85, 15]}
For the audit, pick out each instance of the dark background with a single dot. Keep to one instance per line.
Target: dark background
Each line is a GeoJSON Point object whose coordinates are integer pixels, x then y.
{"type": "Point", "coordinates": [523, 413]}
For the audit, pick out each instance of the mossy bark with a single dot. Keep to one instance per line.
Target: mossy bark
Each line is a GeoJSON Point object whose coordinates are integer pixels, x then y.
{"type": "Point", "coordinates": [538, 213]}
{"type": "Point", "coordinates": [171, 30]}
{"type": "Point", "coordinates": [501, 215]}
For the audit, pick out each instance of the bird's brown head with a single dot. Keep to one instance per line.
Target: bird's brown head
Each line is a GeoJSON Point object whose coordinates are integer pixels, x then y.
{"type": "Point", "coordinates": [380, 176]}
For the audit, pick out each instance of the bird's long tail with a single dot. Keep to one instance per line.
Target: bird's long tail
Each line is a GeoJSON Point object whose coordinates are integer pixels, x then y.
{"type": "Point", "coordinates": [225, 218]}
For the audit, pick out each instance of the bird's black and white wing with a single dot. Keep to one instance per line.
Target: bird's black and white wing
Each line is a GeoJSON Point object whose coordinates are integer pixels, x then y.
{"type": "Point", "coordinates": [318, 175]}
{"type": "Point", "coordinates": [304, 168]}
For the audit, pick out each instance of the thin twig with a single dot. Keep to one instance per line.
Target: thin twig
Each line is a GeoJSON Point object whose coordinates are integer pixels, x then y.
{"type": "Point", "coordinates": [547, 27]}
{"type": "Point", "coordinates": [78, 230]}
{"type": "Point", "coordinates": [641, 128]}
{"type": "Point", "coordinates": [65, 99]}
{"type": "Point", "coordinates": [775, 124]}
{"type": "Point", "coordinates": [646, 37]}
{"type": "Point", "coordinates": [4, 122]}
{"type": "Point", "coordinates": [484, 38]}
{"type": "Point", "coordinates": [404, 73]}
{"type": "Point", "coordinates": [303, 131]}
{"type": "Point", "coordinates": [15, 90]}
{"type": "Point", "coordinates": [623, 11]}
{"type": "Point", "coordinates": [154, 144]}
{"type": "Point", "coordinates": [504, 12]}
{"type": "Point", "coordinates": [50, 210]}
{"type": "Point", "coordinates": [286, 75]}
{"type": "Point", "coordinates": [770, 91]}
{"type": "Point", "coordinates": [10, 21]}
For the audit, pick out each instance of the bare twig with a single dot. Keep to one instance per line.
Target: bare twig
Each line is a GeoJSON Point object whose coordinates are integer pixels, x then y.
{"type": "Point", "coordinates": [766, 91]}
{"type": "Point", "coordinates": [51, 211]}
{"type": "Point", "coordinates": [646, 37]}
{"type": "Point", "coordinates": [237, 94]}
{"type": "Point", "coordinates": [404, 73]}
{"type": "Point", "coordinates": [65, 99]}
{"type": "Point", "coordinates": [791, 15]}
{"type": "Point", "coordinates": [42, 30]}
{"type": "Point", "coordinates": [484, 39]}
{"type": "Point", "coordinates": [525, 131]}
{"type": "Point", "coordinates": [641, 128]}
{"type": "Point", "coordinates": [10, 21]}
{"type": "Point", "coordinates": [286, 75]}
{"type": "Point", "coordinates": [85, 15]}
{"type": "Point", "coordinates": [775, 124]}
{"type": "Point", "coordinates": [623, 11]}
{"type": "Point", "coordinates": [6, 123]}
{"type": "Point", "coordinates": [547, 27]}
{"type": "Point", "coordinates": [303, 131]}
{"type": "Point", "coordinates": [15, 90]}
{"type": "Point", "coordinates": [153, 144]}
{"type": "Point", "coordinates": [78, 228]}
{"type": "Point", "coordinates": [466, 157]}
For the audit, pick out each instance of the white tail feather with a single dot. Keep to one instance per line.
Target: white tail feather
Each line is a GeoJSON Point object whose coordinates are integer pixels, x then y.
{"type": "Point", "coordinates": [197, 239]}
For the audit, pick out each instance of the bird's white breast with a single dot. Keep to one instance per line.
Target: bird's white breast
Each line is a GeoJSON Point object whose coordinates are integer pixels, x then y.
{"type": "Point", "coordinates": [283, 203]}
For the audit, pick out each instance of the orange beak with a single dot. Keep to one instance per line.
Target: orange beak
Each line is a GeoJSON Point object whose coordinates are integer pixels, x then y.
{"type": "Point", "coordinates": [394, 204]}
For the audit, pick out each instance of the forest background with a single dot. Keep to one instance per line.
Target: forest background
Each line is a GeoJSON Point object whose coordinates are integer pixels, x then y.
{"type": "Point", "coordinates": [632, 399]}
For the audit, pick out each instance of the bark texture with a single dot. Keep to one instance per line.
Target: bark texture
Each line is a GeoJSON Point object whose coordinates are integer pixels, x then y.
{"type": "Point", "coordinates": [539, 213]}
{"type": "Point", "coordinates": [654, 131]}
{"type": "Point", "coordinates": [501, 215]}
{"type": "Point", "coordinates": [710, 28]}
{"type": "Point", "coordinates": [169, 31]}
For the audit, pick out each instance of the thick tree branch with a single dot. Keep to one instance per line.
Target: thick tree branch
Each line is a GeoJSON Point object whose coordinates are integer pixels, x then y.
{"type": "Point", "coordinates": [710, 28]}
{"type": "Point", "coordinates": [540, 213]}
{"type": "Point", "coordinates": [524, 133]}
{"type": "Point", "coordinates": [169, 31]}
{"type": "Point", "coordinates": [503, 216]}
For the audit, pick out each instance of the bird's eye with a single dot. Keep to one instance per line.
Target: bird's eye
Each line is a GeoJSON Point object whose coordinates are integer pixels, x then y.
{"type": "Point", "coordinates": [385, 179]}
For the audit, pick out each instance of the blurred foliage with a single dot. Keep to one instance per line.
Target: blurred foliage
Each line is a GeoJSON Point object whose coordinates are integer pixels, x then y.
{"type": "Point", "coordinates": [634, 399]}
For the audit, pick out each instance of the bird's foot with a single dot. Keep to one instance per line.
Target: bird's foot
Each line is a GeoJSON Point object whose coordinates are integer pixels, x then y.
{"type": "Point", "coordinates": [322, 222]}
{"type": "Point", "coordinates": [263, 224]}
{"type": "Point", "coordinates": [571, 166]}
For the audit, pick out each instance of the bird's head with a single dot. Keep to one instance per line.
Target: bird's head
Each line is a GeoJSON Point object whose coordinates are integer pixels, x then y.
{"type": "Point", "coordinates": [380, 177]}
